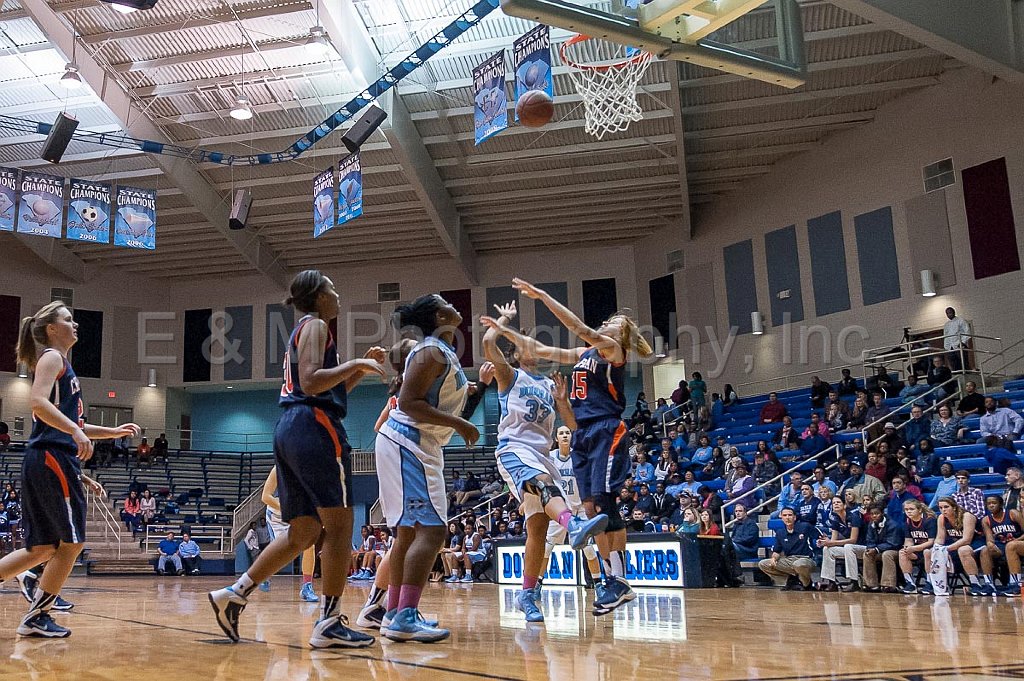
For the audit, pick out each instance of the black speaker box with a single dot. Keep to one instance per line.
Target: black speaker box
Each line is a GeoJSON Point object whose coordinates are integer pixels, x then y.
{"type": "Point", "coordinates": [59, 138]}
{"type": "Point", "coordinates": [364, 127]}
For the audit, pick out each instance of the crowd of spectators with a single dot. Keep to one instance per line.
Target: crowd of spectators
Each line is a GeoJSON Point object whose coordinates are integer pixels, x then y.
{"type": "Point", "coordinates": [10, 516]}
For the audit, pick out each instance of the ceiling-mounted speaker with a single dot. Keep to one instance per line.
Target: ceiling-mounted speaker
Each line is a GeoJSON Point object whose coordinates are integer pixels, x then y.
{"type": "Point", "coordinates": [364, 127]}
{"type": "Point", "coordinates": [240, 209]}
{"type": "Point", "coordinates": [59, 138]}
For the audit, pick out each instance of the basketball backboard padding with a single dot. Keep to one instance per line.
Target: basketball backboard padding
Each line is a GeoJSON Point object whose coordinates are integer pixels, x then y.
{"type": "Point", "coordinates": [690, 20]}
{"type": "Point", "coordinates": [788, 70]}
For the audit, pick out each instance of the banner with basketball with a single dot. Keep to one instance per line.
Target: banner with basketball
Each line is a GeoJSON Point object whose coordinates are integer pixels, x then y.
{"type": "Point", "coordinates": [8, 198]}
{"type": "Point", "coordinates": [89, 212]}
{"type": "Point", "coordinates": [490, 114]}
{"type": "Point", "coordinates": [135, 220]}
{"type": "Point", "coordinates": [323, 202]}
{"type": "Point", "coordinates": [531, 54]}
{"type": "Point", "coordinates": [350, 189]}
{"type": "Point", "coordinates": [41, 208]}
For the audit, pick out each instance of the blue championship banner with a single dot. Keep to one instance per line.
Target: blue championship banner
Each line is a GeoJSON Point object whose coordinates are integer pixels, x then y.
{"type": "Point", "coordinates": [532, 56]}
{"type": "Point", "coordinates": [41, 208]}
{"type": "Point", "coordinates": [490, 111]}
{"type": "Point", "coordinates": [135, 221]}
{"type": "Point", "coordinates": [350, 189]}
{"type": "Point", "coordinates": [89, 213]}
{"type": "Point", "coordinates": [8, 199]}
{"type": "Point", "coordinates": [323, 202]}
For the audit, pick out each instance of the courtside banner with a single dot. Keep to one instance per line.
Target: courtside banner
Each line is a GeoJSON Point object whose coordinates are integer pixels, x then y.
{"type": "Point", "coordinates": [563, 568]}
{"type": "Point", "coordinates": [89, 216]}
{"type": "Point", "coordinates": [350, 189]}
{"type": "Point", "coordinates": [8, 198]}
{"type": "Point", "coordinates": [135, 220]}
{"type": "Point", "coordinates": [323, 202]}
{"type": "Point", "coordinates": [654, 563]}
{"type": "Point", "coordinates": [490, 115]}
{"type": "Point", "coordinates": [41, 208]}
{"type": "Point", "coordinates": [532, 57]}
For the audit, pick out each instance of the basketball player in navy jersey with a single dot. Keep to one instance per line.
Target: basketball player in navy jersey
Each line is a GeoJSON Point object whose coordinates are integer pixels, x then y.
{"type": "Point", "coordinates": [314, 467]}
{"type": "Point", "coordinates": [600, 446]}
{"type": "Point", "coordinates": [528, 408]}
{"type": "Point", "coordinates": [53, 501]}
{"type": "Point", "coordinates": [1001, 527]}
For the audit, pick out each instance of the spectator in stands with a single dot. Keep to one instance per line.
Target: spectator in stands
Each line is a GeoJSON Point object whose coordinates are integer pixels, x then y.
{"type": "Point", "coordinates": [787, 436]}
{"type": "Point", "coordinates": [875, 413]}
{"type": "Point", "coordinates": [626, 502]}
{"type": "Point", "coordinates": [667, 452]}
{"type": "Point", "coordinates": [698, 392]}
{"type": "Point", "coordinates": [792, 555]}
{"type": "Point", "coordinates": [845, 542]}
{"type": "Point", "coordinates": [715, 468]}
{"type": "Point", "coordinates": [732, 460]}
{"type": "Point", "coordinates": [664, 504]}
{"type": "Point", "coordinates": [847, 384]}
{"type": "Point", "coordinates": [955, 335]}
{"type": "Point", "coordinates": [956, 529]}
{"type": "Point", "coordinates": [947, 429]}
{"type": "Point", "coordinates": [790, 496]}
{"type": "Point", "coordinates": [807, 506]}
{"type": "Point", "coordinates": [1014, 485]}
{"type": "Point", "coordinates": [970, 499]}
{"type": "Point", "coordinates": [837, 412]}
{"type": "Point", "coordinates": [823, 429]}
{"type": "Point", "coordinates": [641, 522]}
{"type": "Point", "coordinates": [917, 428]}
{"type": "Point", "coordinates": [689, 521]}
{"type": "Point", "coordinates": [898, 495]}
{"type": "Point", "coordinates": [131, 512]}
{"type": "Point", "coordinates": [143, 453]}
{"type": "Point", "coordinates": [263, 535]}
{"type": "Point", "coordinates": [189, 552]}
{"type": "Point", "coordinates": [492, 487]}
{"type": "Point", "coordinates": [5, 437]}
{"type": "Point", "coordinates": [147, 507]}
{"type": "Point", "coordinates": [746, 536]}
{"type": "Point", "coordinates": [928, 460]}
{"type": "Point", "coordinates": [645, 500]}
{"type": "Point", "coordinates": [666, 466]}
{"type": "Point", "coordinates": [814, 443]}
{"type": "Point", "coordinates": [9, 495]}
{"type": "Point", "coordinates": [643, 471]}
{"type": "Point", "coordinates": [891, 437]}
{"type": "Point", "coordinates": [884, 540]}
{"type": "Point", "coordinates": [456, 486]}
{"type": "Point", "coordinates": [766, 467]}
{"type": "Point", "coordinates": [252, 542]}
{"type": "Point", "coordinates": [819, 392]}
{"type": "Point", "coordinates": [859, 413]}
{"type": "Point", "coordinates": [999, 458]}
{"type": "Point", "coordinates": [742, 486]}
{"type": "Point", "coordinates": [708, 526]}
{"type": "Point", "coordinates": [825, 497]}
{"type": "Point", "coordinates": [703, 455]}
{"type": "Point", "coordinates": [729, 396]}
{"type": "Point", "coordinates": [660, 411]}
{"type": "Point", "coordinates": [515, 523]}
{"type": "Point", "coordinates": [818, 478]}
{"type": "Point", "coordinates": [160, 447]}
{"type": "Point", "coordinates": [861, 483]}
{"type": "Point", "coordinates": [773, 411]}
{"type": "Point", "coordinates": [946, 487]}
{"type": "Point", "coordinates": [688, 485]}
{"type": "Point", "coordinates": [912, 390]}
{"type": "Point", "coordinates": [841, 473]}
{"type": "Point", "coordinates": [168, 551]}
{"type": "Point", "coordinates": [640, 407]}
{"type": "Point", "coordinates": [452, 551]}
{"type": "Point", "coordinates": [939, 375]}
{"type": "Point", "coordinates": [709, 500]}
{"type": "Point", "coordinates": [470, 491]}
{"type": "Point", "coordinates": [881, 382]}
{"type": "Point", "coordinates": [681, 395]}
{"type": "Point", "coordinates": [1001, 422]}
{"type": "Point", "coordinates": [972, 402]}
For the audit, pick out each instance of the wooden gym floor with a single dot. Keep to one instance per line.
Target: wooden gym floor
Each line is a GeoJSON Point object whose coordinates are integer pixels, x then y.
{"type": "Point", "coordinates": [162, 628]}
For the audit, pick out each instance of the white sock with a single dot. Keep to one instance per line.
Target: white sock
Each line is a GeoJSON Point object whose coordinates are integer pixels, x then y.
{"type": "Point", "coordinates": [244, 585]}
{"type": "Point", "coordinates": [618, 564]}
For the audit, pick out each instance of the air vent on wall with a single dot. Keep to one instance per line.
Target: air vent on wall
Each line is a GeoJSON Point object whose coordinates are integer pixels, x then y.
{"type": "Point", "coordinates": [675, 261]}
{"type": "Point", "coordinates": [66, 295]}
{"type": "Point", "coordinates": [387, 293]}
{"type": "Point", "coordinates": [938, 175]}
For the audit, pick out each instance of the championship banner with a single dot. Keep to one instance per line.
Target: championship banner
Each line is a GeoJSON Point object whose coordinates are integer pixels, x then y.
{"type": "Point", "coordinates": [42, 205]}
{"type": "Point", "coordinates": [135, 221]}
{"type": "Point", "coordinates": [490, 115]}
{"type": "Point", "coordinates": [89, 215]}
{"type": "Point", "coordinates": [532, 56]}
{"type": "Point", "coordinates": [350, 189]}
{"type": "Point", "coordinates": [323, 202]}
{"type": "Point", "coordinates": [8, 198]}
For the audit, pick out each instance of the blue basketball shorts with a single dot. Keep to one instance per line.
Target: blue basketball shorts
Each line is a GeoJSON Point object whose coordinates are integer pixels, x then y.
{"type": "Point", "coordinates": [600, 457]}
{"type": "Point", "coordinates": [52, 498]}
{"type": "Point", "coordinates": [314, 462]}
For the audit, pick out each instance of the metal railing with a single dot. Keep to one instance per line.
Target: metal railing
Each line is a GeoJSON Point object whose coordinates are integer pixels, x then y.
{"type": "Point", "coordinates": [364, 461]}
{"type": "Point", "coordinates": [786, 381]}
{"type": "Point", "coordinates": [752, 494]}
{"type": "Point", "coordinates": [999, 372]}
{"type": "Point", "coordinates": [98, 509]}
{"type": "Point", "coordinates": [489, 503]}
{"type": "Point", "coordinates": [217, 535]}
{"type": "Point", "coordinates": [910, 403]}
{"type": "Point", "coordinates": [247, 511]}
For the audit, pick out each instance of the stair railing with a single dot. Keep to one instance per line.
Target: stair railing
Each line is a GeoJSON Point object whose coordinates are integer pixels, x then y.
{"type": "Point", "coordinates": [98, 510]}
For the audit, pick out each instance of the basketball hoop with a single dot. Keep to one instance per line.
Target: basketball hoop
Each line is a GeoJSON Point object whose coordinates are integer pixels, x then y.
{"type": "Point", "coordinates": [606, 75]}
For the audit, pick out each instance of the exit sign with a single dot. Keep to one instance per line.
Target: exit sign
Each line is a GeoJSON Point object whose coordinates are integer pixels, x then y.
{"type": "Point", "coordinates": [111, 394]}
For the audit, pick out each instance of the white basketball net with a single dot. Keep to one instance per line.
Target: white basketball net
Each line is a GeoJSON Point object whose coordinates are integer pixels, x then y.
{"type": "Point", "coordinates": [606, 76]}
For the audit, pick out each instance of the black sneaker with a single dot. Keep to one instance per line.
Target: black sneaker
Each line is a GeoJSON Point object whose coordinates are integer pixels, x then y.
{"type": "Point", "coordinates": [850, 587]}
{"type": "Point", "coordinates": [908, 588]}
{"type": "Point", "coordinates": [616, 592]}
{"type": "Point", "coordinates": [42, 626]}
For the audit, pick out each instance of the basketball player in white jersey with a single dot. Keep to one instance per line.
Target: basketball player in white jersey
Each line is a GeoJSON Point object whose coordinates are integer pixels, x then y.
{"type": "Point", "coordinates": [524, 434]}
{"type": "Point", "coordinates": [561, 457]}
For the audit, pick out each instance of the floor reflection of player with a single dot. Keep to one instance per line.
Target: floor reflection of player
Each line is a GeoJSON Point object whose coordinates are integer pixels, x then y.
{"type": "Point", "coordinates": [528, 405]}
{"type": "Point", "coordinates": [562, 458]}
{"type": "Point", "coordinates": [600, 448]}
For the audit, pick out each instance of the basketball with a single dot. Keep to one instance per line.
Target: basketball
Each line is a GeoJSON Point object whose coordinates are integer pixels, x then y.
{"type": "Point", "coordinates": [535, 108]}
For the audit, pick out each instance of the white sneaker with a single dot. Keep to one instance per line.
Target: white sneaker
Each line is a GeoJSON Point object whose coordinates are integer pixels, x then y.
{"type": "Point", "coordinates": [227, 606]}
{"type": "Point", "coordinates": [333, 632]}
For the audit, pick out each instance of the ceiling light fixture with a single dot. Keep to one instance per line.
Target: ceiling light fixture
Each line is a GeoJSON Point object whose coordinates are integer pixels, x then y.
{"type": "Point", "coordinates": [129, 6]}
{"type": "Point", "coordinates": [71, 80]}
{"type": "Point", "coordinates": [242, 110]}
{"type": "Point", "coordinates": [317, 44]}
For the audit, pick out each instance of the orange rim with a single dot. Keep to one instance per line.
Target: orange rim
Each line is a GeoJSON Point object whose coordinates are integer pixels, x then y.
{"type": "Point", "coordinates": [579, 38]}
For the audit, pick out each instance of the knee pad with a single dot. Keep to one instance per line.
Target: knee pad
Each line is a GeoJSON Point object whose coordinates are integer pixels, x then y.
{"type": "Point", "coordinates": [545, 490]}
